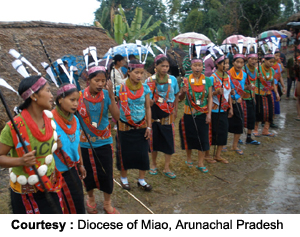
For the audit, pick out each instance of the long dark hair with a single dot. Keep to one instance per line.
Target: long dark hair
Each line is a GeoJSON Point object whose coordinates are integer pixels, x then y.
{"type": "Point", "coordinates": [24, 86]}
{"type": "Point", "coordinates": [116, 58]}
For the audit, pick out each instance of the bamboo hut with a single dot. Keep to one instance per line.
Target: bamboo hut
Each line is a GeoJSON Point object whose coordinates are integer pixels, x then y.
{"type": "Point", "coordinates": [59, 38]}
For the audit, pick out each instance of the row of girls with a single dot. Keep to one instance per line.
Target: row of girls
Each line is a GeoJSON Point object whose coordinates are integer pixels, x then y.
{"type": "Point", "coordinates": [59, 143]}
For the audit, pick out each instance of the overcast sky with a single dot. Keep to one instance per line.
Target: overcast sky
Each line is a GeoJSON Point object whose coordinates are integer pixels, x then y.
{"type": "Point", "coordinates": [66, 11]}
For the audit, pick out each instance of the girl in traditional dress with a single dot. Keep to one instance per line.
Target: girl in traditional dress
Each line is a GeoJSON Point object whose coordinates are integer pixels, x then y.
{"type": "Point", "coordinates": [164, 100]}
{"type": "Point", "coordinates": [219, 119]}
{"type": "Point", "coordinates": [197, 88]}
{"type": "Point", "coordinates": [238, 78]}
{"type": "Point", "coordinates": [263, 95]}
{"type": "Point", "coordinates": [68, 158]}
{"type": "Point", "coordinates": [134, 126]}
{"type": "Point", "coordinates": [116, 75]}
{"type": "Point", "coordinates": [38, 131]}
{"type": "Point", "coordinates": [94, 104]}
{"type": "Point", "coordinates": [249, 97]}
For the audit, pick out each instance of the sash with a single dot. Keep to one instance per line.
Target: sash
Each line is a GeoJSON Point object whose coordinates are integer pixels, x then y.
{"type": "Point", "coordinates": [123, 95]}
{"type": "Point", "coordinates": [237, 85]}
{"type": "Point", "coordinates": [83, 111]}
{"type": "Point", "coordinates": [163, 105]}
{"type": "Point", "coordinates": [277, 74]}
{"type": "Point", "coordinates": [218, 85]}
{"type": "Point", "coordinates": [267, 84]}
{"type": "Point", "coordinates": [203, 109]}
{"type": "Point", "coordinates": [20, 151]}
{"type": "Point", "coordinates": [70, 162]}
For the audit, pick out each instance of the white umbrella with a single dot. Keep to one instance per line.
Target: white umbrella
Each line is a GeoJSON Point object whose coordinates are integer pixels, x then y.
{"type": "Point", "coordinates": [190, 38]}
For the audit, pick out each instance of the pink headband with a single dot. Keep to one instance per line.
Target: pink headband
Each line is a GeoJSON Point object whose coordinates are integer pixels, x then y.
{"type": "Point", "coordinates": [159, 57]}
{"type": "Point", "coordinates": [95, 69]}
{"type": "Point", "coordinates": [253, 55]}
{"type": "Point", "coordinates": [220, 59]}
{"type": "Point", "coordinates": [269, 55]}
{"type": "Point", "coordinates": [34, 88]}
{"type": "Point", "coordinates": [65, 88]}
{"type": "Point", "coordinates": [196, 60]}
{"type": "Point", "coordinates": [239, 56]}
{"type": "Point", "coordinates": [131, 65]}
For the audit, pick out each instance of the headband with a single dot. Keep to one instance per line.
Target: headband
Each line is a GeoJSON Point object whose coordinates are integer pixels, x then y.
{"type": "Point", "coordinates": [65, 88]}
{"type": "Point", "coordinates": [196, 60]}
{"type": "Point", "coordinates": [159, 57]}
{"type": "Point", "coordinates": [269, 55]}
{"type": "Point", "coordinates": [95, 69]}
{"type": "Point", "coordinates": [220, 59]}
{"type": "Point", "coordinates": [132, 65]}
{"type": "Point", "coordinates": [34, 88]}
{"type": "Point", "coordinates": [252, 55]}
{"type": "Point", "coordinates": [238, 55]}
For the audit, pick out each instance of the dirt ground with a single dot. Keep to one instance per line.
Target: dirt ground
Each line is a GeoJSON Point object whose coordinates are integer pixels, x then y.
{"type": "Point", "coordinates": [266, 179]}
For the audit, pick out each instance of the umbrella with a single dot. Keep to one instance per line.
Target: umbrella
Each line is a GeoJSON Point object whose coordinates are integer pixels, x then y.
{"type": "Point", "coordinates": [190, 38]}
{"type": "Point", "coordinates": [73, 60]}
{"type": "Point", "coordinates": [289, 34]}
{"type": "Point", "coordinates": [233, 39]}
{"type": "Point", "coordinates": [270, 33]}
{"type": "Point", "coordinates": [131, 48]}
{"type": "Point", "coordinates": [294, 24]}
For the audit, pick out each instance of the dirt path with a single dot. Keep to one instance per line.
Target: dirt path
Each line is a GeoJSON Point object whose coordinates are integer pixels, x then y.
{"type": "Point", "coordinates": [266, 179]}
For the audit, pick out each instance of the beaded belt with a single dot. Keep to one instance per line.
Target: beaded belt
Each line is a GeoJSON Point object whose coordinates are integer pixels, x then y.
{"type": "Point", "coordinates": [125, 127]}
{"type": "Point", "coordinates": [165, 121]}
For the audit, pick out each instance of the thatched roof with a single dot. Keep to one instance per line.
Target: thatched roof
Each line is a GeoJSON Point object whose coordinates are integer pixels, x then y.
{"type": "Point", "coordinates": [283, 25]}
{"type": "Point", "coordinates": [59, 38]}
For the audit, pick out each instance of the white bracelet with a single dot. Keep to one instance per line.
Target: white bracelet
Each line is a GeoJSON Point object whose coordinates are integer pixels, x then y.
{"type": "Point", "coordinates": [149, 128]}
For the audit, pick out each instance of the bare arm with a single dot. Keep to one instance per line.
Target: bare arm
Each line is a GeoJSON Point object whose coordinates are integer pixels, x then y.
{"type": "Point", "coordinates": [7, 161]}
{"type": "Point", "coordinates": [113, 108]}
{"type": "Point", "coordinates": [210, 103]}
{"type": "Point", "coordinates": [148, 117]}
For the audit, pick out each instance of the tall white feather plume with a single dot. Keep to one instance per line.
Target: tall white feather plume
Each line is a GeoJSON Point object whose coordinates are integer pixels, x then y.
{"type": "Point", "coordinates": [93, 52]}
{"type": "Point", "coordinates": [240, 46]}
{"type": "Point", "coordinates": [61, 64]}
{"type": "Point", "coordinates": [248, 47]}
{"type": "Point", "coordinates": [17, 55]}
{"type": "Point", "coordinates": [6, 85]}
{"type": "Point", "coordinates": [147, 47]}
{"type": "Point", "coordinates": [150, 50]}
{"type": "Point", "coordinates": [139, 47]}
{"type": "Point", "coordinates": [210, 48]}
{"type": "Point", "coordinates": [255, 47]}
{"type": "Point", "coordinates": [207, 57]}
{"type": "Point", "coordinates": [275, 42]}
{"type": "Point", "coordinates": [190, 51]}
{"type": "Point", "coordinates": [107, 59]}
{"type": "Point", "coordinates": [71, 74]}
{"type": "Point", "coordinates": [86, 58]}
{"type": "Point", "coordinates": [261, 44]}
{"type": "Point", "coordinates": [18, 65]}
{"type": "Point", "coordinates": [219, 50]}
{"type": "Point", "coordinates": [159, 48]}
{"type": "Point", "coordinates": [198, 48]}
{"type": "Point", "coordinates": [50, 73]}
{"type": "Point", "coordinates": [126, 50]}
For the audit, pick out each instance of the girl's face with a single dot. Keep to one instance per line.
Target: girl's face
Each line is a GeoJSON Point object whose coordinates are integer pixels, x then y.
{"type": "Point", "coordinates": [97, 83]}
{"type": "Point", "coordinates": [277, 57]}
{"type": "Point", "coordinates": [269, 63]}
{"type": "Point", "coordinates": [44, 97]}
{"type": "Point", "coordinates": [197, 68]}
{"type": "Point", "coordinates": [252, 61]}
{"type": "Point", "coordinates": [121, 63]}
{"type": "Point", "coordinates": [136, 75]}
{"type": "Point", "coordinates": [220, 66]}
{"type": "Point", "coordinates": [163, 68]}
{"type": "Point", "coordinates": [238, 64]}
{"type": "Point", "coordinates": [69, 104]}
{"type": "Point", "coordinates": [226, 64]}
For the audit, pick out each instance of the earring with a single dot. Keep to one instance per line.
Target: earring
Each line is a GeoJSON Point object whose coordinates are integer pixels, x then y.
{"type": "Point", "coordinates": [35, 99]}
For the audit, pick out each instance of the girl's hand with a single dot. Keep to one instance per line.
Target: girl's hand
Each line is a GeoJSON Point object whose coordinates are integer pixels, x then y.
{"type": "Point", "coordinates": [208, 118]}
{"type": "Point", "coordinates": [109, 88]}
{"type": "Point", "coordinates": [82, 172]}
{"type": "Point", "coordinates": [59, 143]}
{"type": "Point", "coordinates": [29, 159]}
{"type": "Point", "coordinates": [232, 92]}
{"type": "Point", "coordinates": [147, 133]}
{"type": "Point", "coordinates": [277, 97]}
{"type": "Point", "coordinates": [230, 113]}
